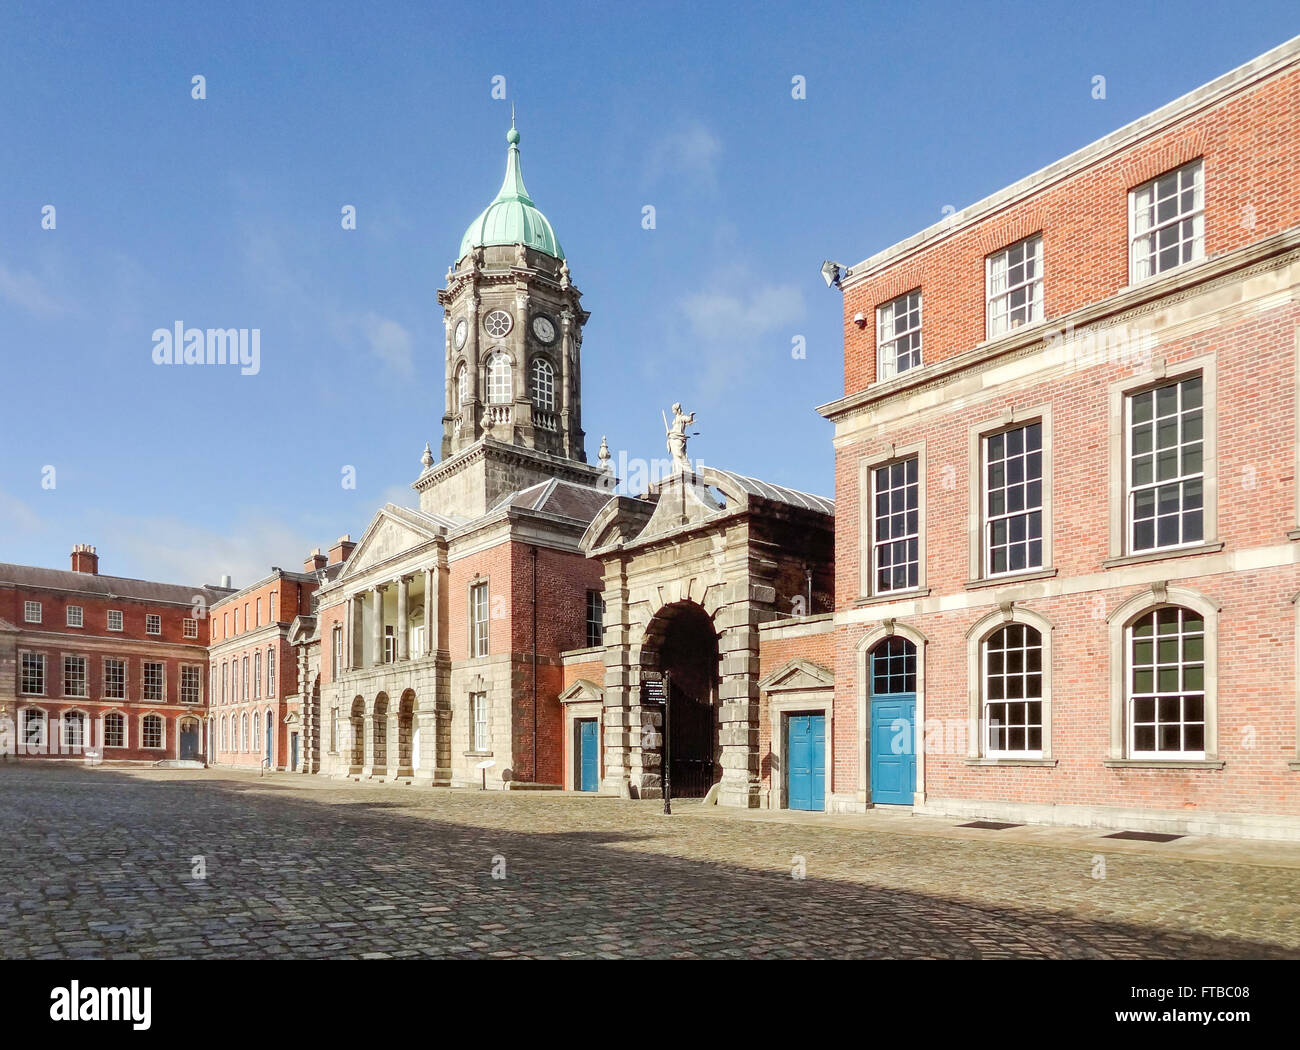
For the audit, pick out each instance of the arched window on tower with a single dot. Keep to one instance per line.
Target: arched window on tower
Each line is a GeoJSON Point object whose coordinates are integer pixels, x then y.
{"type": "Point", "coordinates": [462, 387]}
{"type": "Point", "coordinates": [498, 379]}
{"type": "Point", "coordinates": [543, 381]}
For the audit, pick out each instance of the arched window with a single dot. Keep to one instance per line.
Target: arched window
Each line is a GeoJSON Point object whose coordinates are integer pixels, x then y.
{"type": "Point", "coordinates": [224, 668]}
{"type": "Point", "coordinates": [151, 732]}
{"type": "Point", "coordinates": [74, 730]}
{"type": "Point", "coordinates": [1013, 692]}
{"type": "Point", "coordinates": [499, 386]}
{"type": "Point", "coordinates": [225, 734]}
{"type": "Point", "coordinates": [893, 667]}
{"type": "Point", "coordinates": [1166, 684]}
{"type": "Point", "coordinates": [543, 380]}
{"type": "Point", "coordinates": [114, 730]}
{"type": "Point", "coordinates": [462, 387]}
{"type": "Point", "coordinates": [257, 733]}
{"type": "Point", "coordinates": [243, 732]}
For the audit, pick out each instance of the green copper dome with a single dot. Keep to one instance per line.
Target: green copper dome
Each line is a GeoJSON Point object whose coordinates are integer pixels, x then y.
{"type": "Point", "coordinates": [512, 218]}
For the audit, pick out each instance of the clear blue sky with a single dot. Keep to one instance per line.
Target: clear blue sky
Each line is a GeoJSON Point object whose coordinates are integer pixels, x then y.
{"type": "Point", "coordinates": [225, 213]}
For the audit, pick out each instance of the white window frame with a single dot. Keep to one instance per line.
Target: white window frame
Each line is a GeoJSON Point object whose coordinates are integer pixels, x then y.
{"type": "Point", "coordinates": [122, 723]}
{"type": "Point", "coordinates": [499, 371]}
{"type": "Point", "coordinates": [152, 623]}
{"type": "Point", "coordinates": [480, 736]}
{"type": "Point", "coordinates": [32, 612]}
{"type": "Point", "coordinates": [1131, 490]}
{"type": "Point", "coordinates": [113, 620]}
{"type": "Point", "coordinates": [478, 624]}
{"type": "Point", "coordinates": [75, 616]}
{"type": "Point", "coordinates": [109, 677]}
{"type": "Point", "coordinates": [66, 720]}
{"type": "Point", "coordinates": [462, 386]}
{"type": "Point", "coordinates": [196, 675]}
{"type": "Point", "coordinates": [888, 335]}
{"type": "Point", "coordinates": [144, 681]}
{"type": "Point", "coordinates": [907, 537]}
{"type": "Point", "coordinates": [257, 675]}
{"type": "Point", "coordinates": [43, 719]}
{"type": "Point", "coordinates": [988, 519]}
{"type": "Point", "coordinates": [337, 652]}
{"type": "Point", "coordinates": [190, 627]}
{"type": "Point", "coordinates": [1143, 262]}
{"type": "Point", "coordinates": [998, 291]}
{"type": "Point", "coordinates": [85, 675]}
{"type": "Point", "coordinates": [23, 657]}
{"type": "Point", "coordinates": [270, 673]}
{"type": "Point", "coordinates": [144, 733]}
{"type": "Point", "coordinates": [542, 381]}
{"type": "Point", "coordinates": [596, 623]}
{"type": "Point", "coordinates": [985, 724]}
{"type": "Point", "coordinates": [1157, 695]}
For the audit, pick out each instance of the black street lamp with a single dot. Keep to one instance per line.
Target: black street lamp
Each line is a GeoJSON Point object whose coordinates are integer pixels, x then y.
{"type": "Point", "coordinates": [668, 753]}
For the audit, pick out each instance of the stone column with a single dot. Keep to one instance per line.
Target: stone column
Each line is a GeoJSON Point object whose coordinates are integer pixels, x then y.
{"type": "Point", "coordinates": [346, 659]}
{"type": "Point", "coordinates": [430, 612]}
{"type": "Point", "coordinates": [403, 629]}
{"type": "Point", "coordinates": [377, 627]}
{"type": "Point", "coordinates": [738, 707]}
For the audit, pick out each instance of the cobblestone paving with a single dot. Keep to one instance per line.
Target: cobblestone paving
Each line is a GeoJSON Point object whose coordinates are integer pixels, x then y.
{"type": "Point", "coordinates": [98, 863]}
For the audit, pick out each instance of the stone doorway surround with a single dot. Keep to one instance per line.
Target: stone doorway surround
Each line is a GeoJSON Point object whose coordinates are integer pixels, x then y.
{"type": "Point", "coordinates": [799, 687]}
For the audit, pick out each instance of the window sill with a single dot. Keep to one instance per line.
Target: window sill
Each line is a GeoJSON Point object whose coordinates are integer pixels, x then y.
{"type": "Point", "coordinates": [476, 754]}
{"type": "Point", "coordinates": [892, 596]}
{"type": "Point", "coordinates": [1045, 762]}
{"type": "Point", "coordinates": [1172, 552]}
{"type": "Point", "coordinates": [1293, 534]}
{"type": "Point", "coordinates": [1010, 578]}
{"type": "Point", "coordinates": [1163, 763]}
{"type": "Point", "coordinates": [1294, 764]}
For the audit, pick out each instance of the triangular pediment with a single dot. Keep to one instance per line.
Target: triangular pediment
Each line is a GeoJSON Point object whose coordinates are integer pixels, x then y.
{"type": "Point", "coordinates": [798, 674]}
{"type": "Point", "coordinates": [391, 532]}
{"type": "Point", "coordinates": [582, 689]}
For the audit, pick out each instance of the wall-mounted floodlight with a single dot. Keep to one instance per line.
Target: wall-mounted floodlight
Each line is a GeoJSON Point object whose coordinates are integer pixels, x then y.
{"type": "Point", "coordinates": [831, 273]}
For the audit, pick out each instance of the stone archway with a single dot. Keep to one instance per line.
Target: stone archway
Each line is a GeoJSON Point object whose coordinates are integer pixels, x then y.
{"type": "Point", "coordinates": [379, 736]}
{"type": "Point", "coordinates": [357, 723]}
{"type": "Point", "coordinates": [407, 752]}
{"type": "Point", "coordinates": [681, 644]}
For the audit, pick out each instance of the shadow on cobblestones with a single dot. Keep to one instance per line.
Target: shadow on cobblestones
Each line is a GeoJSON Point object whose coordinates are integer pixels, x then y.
{"type": "Point", "coordinates": [102, 863]}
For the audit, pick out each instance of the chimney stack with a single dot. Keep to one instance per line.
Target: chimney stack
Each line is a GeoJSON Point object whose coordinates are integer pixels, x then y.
{"type": "Point", "coordinates": [342, 549]}
{"type": "Point", "coordinates": [315, 561]}
{"type": "Point", "coordinates": [84, 559]}
{"type": "Point", "coordinates": [225, 581]}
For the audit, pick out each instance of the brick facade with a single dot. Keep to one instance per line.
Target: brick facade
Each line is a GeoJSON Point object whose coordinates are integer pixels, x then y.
{"type": "Point", "coordinates": [1227, 320]}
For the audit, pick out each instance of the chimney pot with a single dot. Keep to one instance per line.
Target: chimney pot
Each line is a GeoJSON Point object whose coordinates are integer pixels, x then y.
{"type": "Point", "coordinates": [84, 559]}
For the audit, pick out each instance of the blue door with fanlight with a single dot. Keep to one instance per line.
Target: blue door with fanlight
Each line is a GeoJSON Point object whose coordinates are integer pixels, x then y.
{"type": "Point", "coordinates": [893, 722]}
{"type": "Point", "coordinates": [588, 755]}
{"type": "Point", "coordinates": [806, 762]}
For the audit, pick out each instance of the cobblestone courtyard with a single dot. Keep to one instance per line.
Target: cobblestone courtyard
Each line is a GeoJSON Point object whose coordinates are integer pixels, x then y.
{"type": "Point", "coordinates": [99, 863]}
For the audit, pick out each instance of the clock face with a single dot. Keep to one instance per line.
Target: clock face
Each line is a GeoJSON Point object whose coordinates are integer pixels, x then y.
{"type": "Point", "coordinates": [462, 330]}
{"type": "Point", "coordinates": [498, 323]}
{"type": "Point", "coordinates": [544, 328]}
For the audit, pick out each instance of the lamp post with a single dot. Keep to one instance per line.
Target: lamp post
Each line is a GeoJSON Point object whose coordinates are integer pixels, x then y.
{"type": "Point", "coordinates": [668, 745]}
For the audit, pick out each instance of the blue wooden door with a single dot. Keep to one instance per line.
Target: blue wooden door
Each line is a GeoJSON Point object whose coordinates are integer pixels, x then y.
{"type": "Point", "coordinates": [588, 755]}
{"type": "Point", "coordinates": [893, 751]}
{"type": "Point", "coordinates": [806, 762]}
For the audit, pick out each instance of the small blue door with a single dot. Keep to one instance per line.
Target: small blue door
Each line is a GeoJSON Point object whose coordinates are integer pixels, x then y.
{"type": "Point", "coordinates": [806, 762]}
{"type": "Point", "coordinates": [588, 755]}
{"type": "Point", "coordinates": [893, 754]}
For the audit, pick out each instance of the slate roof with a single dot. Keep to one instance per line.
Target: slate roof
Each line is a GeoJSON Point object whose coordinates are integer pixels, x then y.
{"type": "Point", "coordinates": [106, 586]}
{"type": "Point", "coordinates": [778, 493]}
{"type": "Point", "coordinates": [564, 499]}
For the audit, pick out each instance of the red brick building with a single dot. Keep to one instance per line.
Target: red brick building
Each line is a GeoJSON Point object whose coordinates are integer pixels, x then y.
{"type": "Point", "coordinates": [253, 677]}
{"type": "Point", "coordinates": [102, 664]}
{"type": "Point", "coordinates": [1068, 501]}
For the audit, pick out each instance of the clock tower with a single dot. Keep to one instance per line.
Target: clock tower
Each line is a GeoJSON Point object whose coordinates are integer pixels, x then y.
{"type": "Point", "coordinates": [513, 357]}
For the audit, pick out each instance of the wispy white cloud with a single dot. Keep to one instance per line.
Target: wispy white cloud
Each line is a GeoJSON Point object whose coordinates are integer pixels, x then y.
{"type": "Point", "coordinates": [690, 152]}
{"type": "Point", "coordinates": [22, 289]}
{"type": "Point", "coordinates": [17, 516]}
{"type": "Point", "coordinates": [390, 342]}
{"type": "Point", "coordinates": [735, 316]}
